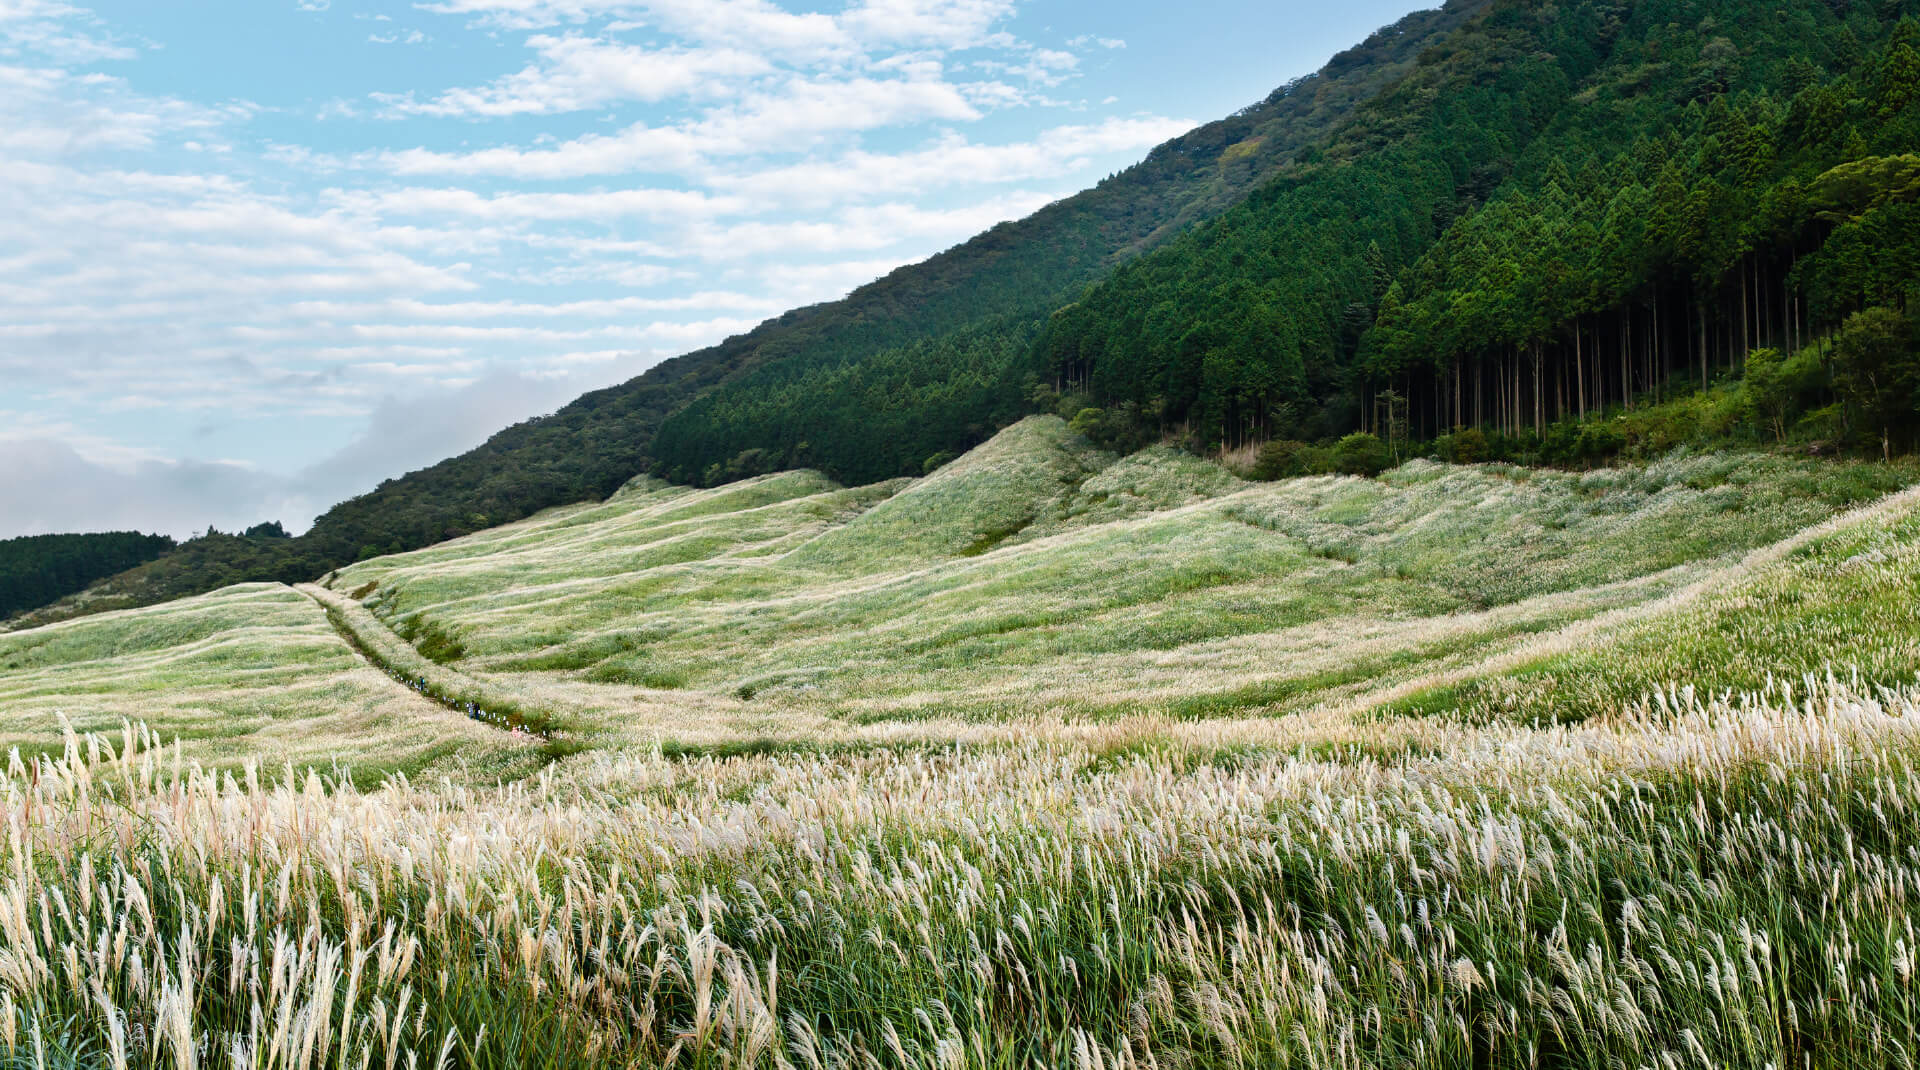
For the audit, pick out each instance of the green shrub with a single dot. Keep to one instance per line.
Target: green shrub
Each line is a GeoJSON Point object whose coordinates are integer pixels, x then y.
{"type": "Point", "coordinates": [1282, 458]}
{"type": "Point", "coordinates": [937, 461]}
{"type": "Point", "coordinates": [1361, 454]}
{"type": "Point", "coordinates": [1465, 446]}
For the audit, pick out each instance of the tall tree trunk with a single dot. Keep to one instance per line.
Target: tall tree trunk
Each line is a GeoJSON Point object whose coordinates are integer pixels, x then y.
{"type": "Point", "coordinates": [1626, 359]}
{"type": "Point", "coordinates": [1791, 299]}
{"type": "Point", "coordinates": [1439, 405]}
{"type": "Point", "coordinates": [1579, 368]}
{"type": "Point", "coordinates": [1746, 339]}
{"type": "Point", "coordinates": [1560, 389]}
{"type": "Point", "coordinates": [1513, 394]}
{"type": "Point", "coordinates": [1653, 369]}
{"type": "Point", "coordinates": [1702, 307]}
{"type": "Point", "coordinates": [1509, 368]}
{"type": "Point", "coordinates": [1539, 394]}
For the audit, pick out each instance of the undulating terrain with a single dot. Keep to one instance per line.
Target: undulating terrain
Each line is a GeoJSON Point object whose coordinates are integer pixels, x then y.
{"type": "Point", "coordinates": [1051, 757]}
{"type": "Point", "coordinates": [1422, 572]}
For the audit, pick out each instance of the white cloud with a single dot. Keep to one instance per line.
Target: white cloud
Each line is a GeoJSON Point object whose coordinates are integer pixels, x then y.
{"type": "Point", "coordinates": [795, 116]}
{"type": "Point", "coordinates": [660, 205]}
{"type": "Point", "coordinates": [577, 73]}
{"type": "Point", "coordinates": [56, 480]}
{"type": "Point", "coordinates": [53, 32]}
{"type": "Point", "coordinates": [18, 10]}
{"type": "Point", "coordinates": [861, 228]}
{"type": "Point", "coordinates": [951, 24]}
{"type": "Point", "coordinates": [179, 276]}
{"type": "Point", "coordinates": [763, 26]}
{"type": "Point", "coordinates": [51, 112]}
{"type": "Point", "coordinates": [755, 24]}
{"type": "Point", "coordinates": [50, 487]}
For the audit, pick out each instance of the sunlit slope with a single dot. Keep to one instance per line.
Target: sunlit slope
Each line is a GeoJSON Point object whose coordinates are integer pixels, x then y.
{"type": "Point", "coordinates": [1841, 599]}
{"type": "Point", "coordinates": [248, 672]}
{"type": "Point", "coordinates": [1039, 577]}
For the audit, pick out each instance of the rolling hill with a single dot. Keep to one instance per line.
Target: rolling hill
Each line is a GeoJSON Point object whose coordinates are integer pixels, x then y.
{"type": "Point", "coordinates": [1036, 579]}
{"type": "Point", "coordinates": [1052, 757]}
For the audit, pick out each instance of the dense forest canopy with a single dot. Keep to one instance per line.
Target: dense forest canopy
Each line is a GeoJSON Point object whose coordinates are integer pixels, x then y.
{"type": "Point", "coordinates": [1568, 206]}
{"type": "Point", "coordinates": [1480, 226]}
{"type": "Point", "coordinates": [38, 569]}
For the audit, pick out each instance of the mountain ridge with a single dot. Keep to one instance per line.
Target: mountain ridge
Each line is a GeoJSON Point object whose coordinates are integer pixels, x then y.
{"type": "Point", "coordinates": [1427, 247]}
{"type": "Point", "coordinates": [598, 441]}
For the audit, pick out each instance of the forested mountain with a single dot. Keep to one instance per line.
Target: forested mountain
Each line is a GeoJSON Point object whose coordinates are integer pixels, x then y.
{"type": "Point", "coordinates": [1486, 218]}
{"type": "Point", "coordinates": [1015, 272]}
{"type": "Point", "coordinates": [37, 569]}
{"type": "Point", "coordinates": [1567, 205]}
{"type": "Point", "coordinates": [1559, 206]}
{"type": "Point", "coordinates": [986, 292]}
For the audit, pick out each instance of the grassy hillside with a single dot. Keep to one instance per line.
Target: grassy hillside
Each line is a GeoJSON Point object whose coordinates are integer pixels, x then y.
{"type": "Point", "coordinates": [1136, 764]}
{"type": "Point", "coordinates": [1034, 580]}
{"type": "Point", "coordinates": [252, 673]}
{"type": "Point", "coordinates": [1040, 577]}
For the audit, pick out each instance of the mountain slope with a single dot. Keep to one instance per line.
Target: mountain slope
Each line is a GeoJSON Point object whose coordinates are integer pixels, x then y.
{"type": "Point", "coordinates": [1445, 229]}
{"type": "Point", "coordinates": [1669, 184]}
{"type": "Point", "coordinates": [1016, 271]}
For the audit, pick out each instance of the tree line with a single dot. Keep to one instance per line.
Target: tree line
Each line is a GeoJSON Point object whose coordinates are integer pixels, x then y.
{"type": "Point", "coordinates": [38, 569]}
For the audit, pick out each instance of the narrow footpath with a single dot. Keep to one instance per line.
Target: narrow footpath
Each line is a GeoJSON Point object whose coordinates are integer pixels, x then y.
{"type": "Point", "coordinates": [476, 699]}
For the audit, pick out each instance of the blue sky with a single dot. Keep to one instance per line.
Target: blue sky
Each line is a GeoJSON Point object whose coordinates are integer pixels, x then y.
{"type": "Point", "coordinates": [261, 254]}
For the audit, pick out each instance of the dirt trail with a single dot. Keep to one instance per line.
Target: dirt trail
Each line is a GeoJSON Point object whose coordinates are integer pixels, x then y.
{"type": "Point", "coordinates": [480, 700]}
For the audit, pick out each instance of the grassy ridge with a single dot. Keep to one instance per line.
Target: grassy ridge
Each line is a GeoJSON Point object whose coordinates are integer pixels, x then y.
{"type": "Point", "coordinates": [1844, 599]}
{"type": "Point", "coordinates": [1039, 577]}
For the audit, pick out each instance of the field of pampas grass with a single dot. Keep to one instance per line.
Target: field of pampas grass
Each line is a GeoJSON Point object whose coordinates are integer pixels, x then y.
{"type": "Point", "coordinates": [1039, 578]}
{"type": "Point", "coordinates": [1142, 766]}
{"type": "Point", "coordinates": [1686, 884]}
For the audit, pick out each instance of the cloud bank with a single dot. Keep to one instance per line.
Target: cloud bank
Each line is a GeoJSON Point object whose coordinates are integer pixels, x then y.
{"type": "Point", "coordinates": [217, 310]}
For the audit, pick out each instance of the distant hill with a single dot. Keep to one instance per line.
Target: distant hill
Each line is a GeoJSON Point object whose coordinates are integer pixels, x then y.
{"type": "Point", "coordinates": [38, 569]}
